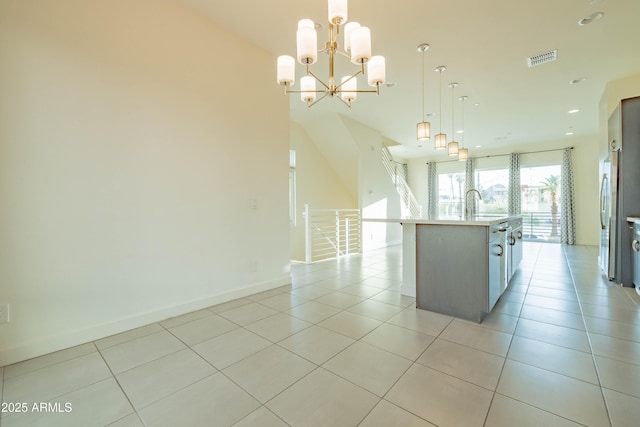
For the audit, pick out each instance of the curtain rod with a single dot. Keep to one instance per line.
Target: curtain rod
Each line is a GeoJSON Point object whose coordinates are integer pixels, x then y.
{"type": "Point", "coordinates": [503, 155]}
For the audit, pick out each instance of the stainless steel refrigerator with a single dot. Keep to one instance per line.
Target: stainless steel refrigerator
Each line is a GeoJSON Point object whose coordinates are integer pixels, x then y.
{"type": "Point", "coordinates": [620, 192]}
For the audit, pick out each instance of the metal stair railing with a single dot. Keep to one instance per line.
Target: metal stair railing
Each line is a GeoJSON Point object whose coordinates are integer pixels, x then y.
{"type": "Point", "coordinates": [331, 233]}
{"type": "Point", "coordinates": [409, 204]}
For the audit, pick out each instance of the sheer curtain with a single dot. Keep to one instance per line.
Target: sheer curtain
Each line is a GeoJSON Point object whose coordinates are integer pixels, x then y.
{"type": "Point", "coordinates": [432, 189]}
{"type": "Point", "coordinates": [568, 202]}
{"type": "Point", "coordinates": [515, 196]}
{"type": "Point", "coordinates": [470, 183]}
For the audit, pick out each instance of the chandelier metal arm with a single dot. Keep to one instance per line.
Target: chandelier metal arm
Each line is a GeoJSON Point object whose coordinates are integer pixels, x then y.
{"type": "Point", "coordinates": [347, 103]}
{"type": "Point", "coordinates": [310, 73]}
{"type": "Point", "coordinates": [309, 105]}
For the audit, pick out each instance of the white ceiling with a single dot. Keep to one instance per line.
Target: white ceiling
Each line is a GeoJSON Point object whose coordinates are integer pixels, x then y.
{"type": "Point", "coordinates": [483, 44]}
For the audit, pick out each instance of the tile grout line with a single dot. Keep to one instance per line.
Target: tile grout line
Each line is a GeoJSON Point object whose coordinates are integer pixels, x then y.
{"type": "Point", "coordinates": [506, 357]}
{"type": "Point", "coordinates": [593, 356]}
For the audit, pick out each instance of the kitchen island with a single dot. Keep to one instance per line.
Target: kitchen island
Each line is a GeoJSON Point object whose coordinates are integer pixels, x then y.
{"type": "Point", "coordinates": [459, 266]}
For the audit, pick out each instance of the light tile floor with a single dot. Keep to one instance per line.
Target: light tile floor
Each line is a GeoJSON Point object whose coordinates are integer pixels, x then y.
{"type": "Point", "coordinates": [342, 347]}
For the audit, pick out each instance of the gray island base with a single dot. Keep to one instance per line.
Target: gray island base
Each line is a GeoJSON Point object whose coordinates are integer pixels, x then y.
{"type": "Point", "coordinates": [459, 266]}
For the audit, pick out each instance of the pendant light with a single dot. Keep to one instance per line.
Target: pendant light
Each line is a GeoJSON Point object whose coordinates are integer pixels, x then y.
{"type": "Point", "coordinates": [440, 142]}
{"type": "Point", "coordinates": [423, 128]}
{"type": "Point", "coordinates": [452, 147]}
{"type": "Point", "coordinates": [463, 153]}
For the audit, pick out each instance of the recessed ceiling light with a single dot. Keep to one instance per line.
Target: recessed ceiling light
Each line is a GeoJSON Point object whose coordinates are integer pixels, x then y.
{"type": "Point", "coordinates": [590, 18]}
{"type": "Point", "coordinates": [430, 114]}
{"type": "Point", "coordinates": [576, 81]}
{"type": "Point", "coordinates": [460, 131]}
{"type": "Point", "coordinates": [477, 104]}
{"type": "Point", "coordinates": [575, 110]}
{"type": "Point", "coordinates": [391, 84]}
{"type": "Point", "coordinates": [478, 146]}
{"type": "Point", "coordinates": [569, 133]}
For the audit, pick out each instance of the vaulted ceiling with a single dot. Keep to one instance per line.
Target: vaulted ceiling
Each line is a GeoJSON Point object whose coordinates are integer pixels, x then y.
{"type": "Point", "coordinates": [483, 44]}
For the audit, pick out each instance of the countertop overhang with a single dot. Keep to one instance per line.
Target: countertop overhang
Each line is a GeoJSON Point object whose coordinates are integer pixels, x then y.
{"type": "Point", "coordinates": [477, 220]}
{"type": "Point", "coordinates": [634, 219]}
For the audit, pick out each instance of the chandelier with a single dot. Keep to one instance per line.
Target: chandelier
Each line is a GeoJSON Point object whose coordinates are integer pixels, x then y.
{"type": "Point", "coordinates": [357, 47]}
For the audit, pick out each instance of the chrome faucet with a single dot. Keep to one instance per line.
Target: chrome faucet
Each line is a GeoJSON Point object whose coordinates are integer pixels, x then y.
{"type": "Point", "coordinates": [466, 200]}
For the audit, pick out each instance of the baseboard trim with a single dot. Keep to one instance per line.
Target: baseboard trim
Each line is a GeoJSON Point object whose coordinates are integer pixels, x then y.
{"type": "Point", "coordinates": [36, 348]}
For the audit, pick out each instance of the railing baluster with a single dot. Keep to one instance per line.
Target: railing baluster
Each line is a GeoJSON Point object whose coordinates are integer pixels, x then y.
{"type": "Point", "coordinates": [328, 233]}
{"type": "Point", "coordinates": [348, 238]}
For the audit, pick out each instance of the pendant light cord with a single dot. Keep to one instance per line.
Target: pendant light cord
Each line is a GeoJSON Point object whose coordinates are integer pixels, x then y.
{"type": "Point", "coordinates": [453, 109]}
{"type": "Point", "coordinates": [440, 101]}
{"type": "Point", "coordinates": [422, 119]}
{"type": "Point", "coordinates": [462, 143]}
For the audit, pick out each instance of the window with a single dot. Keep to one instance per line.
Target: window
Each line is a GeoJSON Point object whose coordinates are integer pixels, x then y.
{"type": "Point", "coordinates": [450, 194]}
{"type": "Point", "coordinates": [493, 186]}
{"type": "Point", "coordinates": [541, 189]}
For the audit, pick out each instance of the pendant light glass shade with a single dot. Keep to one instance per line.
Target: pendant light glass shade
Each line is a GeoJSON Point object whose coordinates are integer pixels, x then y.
{"type": "Point", "coordinates": [463, 154]}
{"type": "Point", "coordinates": [452, 147]}
{"type": "Point", "coordinates": [440, 142]}
{"type": "Point", "coordinates": [424, 131]}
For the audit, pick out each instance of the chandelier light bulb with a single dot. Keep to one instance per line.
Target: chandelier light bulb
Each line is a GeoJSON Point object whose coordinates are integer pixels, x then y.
{"type": "Point", "coordinates": [338, 11]}
{"type": "Point", "coordinates": [360, 45]}
{"type": "Point", "coordinates": [347, 34]}
{"type": "Point", "coordinates": [376, 71]}
{"type": "Point", "coordinates": [286, 70]}
{"type": "Point", "coordinates": [307, 42]}
{"type": "Point", "coordinates": [349, 87]}
{"type": "Point", "coordinates": [308, 86]}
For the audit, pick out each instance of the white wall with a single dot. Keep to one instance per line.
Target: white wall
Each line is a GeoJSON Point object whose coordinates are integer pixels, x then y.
{"type": "Point", "coordinates": [585, 163]}
{"type": "Point", "coordinates": [317, 184]}
{"type": "Point", "coordinates": [133, 136]}
{"type": "Point", "coordinates": [378, 197]}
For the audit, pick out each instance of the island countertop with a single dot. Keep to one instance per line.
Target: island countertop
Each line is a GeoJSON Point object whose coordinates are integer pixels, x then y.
{"type": "Point", "coordinates": [477, 220]}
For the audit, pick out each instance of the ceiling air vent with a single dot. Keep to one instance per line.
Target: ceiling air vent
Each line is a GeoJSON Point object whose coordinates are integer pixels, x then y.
{"type": "Point", "coordinates": [543, 58]}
